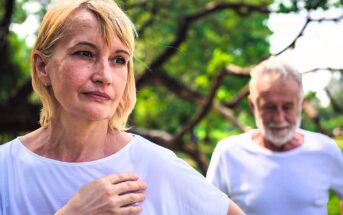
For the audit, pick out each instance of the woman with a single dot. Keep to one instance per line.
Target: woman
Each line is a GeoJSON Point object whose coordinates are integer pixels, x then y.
{"type": "Point", "coordinates": [81, 159]}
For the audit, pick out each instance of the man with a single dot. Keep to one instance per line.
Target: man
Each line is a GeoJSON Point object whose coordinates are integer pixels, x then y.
{"type": "Point", "coordinates": [277, 168]}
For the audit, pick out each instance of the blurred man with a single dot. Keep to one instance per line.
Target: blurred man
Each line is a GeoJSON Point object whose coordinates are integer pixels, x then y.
{"type": "Point", "coordinates": [277, 168]}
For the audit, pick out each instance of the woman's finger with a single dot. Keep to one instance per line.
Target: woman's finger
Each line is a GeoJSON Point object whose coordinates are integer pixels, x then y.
{"type": "Point", "coordinates": [130, 199]}
{"type": "Point", "coordinates": [121, 177]}
{"type": "Point", "coordinates": [130, 210]}
{"type": "Point", "coordinates": [129, 187]}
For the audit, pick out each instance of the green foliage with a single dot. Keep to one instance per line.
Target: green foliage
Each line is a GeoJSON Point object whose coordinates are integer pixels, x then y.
{"type": "Point", "coordinates": [148, 110]}
{"type": "Point", "coordinates": [339, 141]}
{"type": "Point", "coordinates": [310, 96]}
{"type": "Point", "coordinates": [2, 8]}
{"type": "Point", "coordinates": [20, 14]}
{"type": "Point", "coordinates": [16, 69]}
{"type": "Point", "coordinates": [296, 5]}
{"type": "Point", "coordinates": [211, 44]}
{"type": "Point", "coordinates": [333, 205]}
{"type": "Point", "coordinates": [20, 55]}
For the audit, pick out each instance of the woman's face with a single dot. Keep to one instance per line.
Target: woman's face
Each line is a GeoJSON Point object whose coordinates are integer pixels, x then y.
{"type": "Point", "coordinates": [87, 77]}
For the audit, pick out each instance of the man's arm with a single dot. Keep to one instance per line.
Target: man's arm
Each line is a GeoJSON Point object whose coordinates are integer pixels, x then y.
{"type": "Point", "coordinates": [234, 209]}
{"type": "Point", "coordinates": [341, 203]}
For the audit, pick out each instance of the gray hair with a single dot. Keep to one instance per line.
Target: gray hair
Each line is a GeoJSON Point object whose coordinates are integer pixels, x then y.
{"type": "Point", "coordinates": [277, 68]}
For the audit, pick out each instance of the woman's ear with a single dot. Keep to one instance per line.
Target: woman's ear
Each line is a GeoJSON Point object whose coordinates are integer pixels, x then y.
{"type": "Point", "coordinates": [40, 62]}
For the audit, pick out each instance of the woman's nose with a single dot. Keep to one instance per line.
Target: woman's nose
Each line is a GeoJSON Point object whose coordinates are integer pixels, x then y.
{"type": "Point", "coordinates": [102, 73]}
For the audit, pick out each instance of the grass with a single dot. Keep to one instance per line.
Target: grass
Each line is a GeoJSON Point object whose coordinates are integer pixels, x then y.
{"type": "Point", "coordinates": [333, 204]}
{"type": "Point", "coordinates": [339, 141]}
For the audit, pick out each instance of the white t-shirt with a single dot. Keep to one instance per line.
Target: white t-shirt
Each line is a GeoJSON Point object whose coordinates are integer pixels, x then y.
{"type": "Point", "coordinates": [263, 182]}
{"type": "Point", "coordinates": [34, 185]}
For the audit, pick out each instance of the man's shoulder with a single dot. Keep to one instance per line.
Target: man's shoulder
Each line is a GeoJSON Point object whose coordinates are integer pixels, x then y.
{"type": "Point", "coordinates": [316, 137]}
{"type": "Point", "coordinates": [235, 141]}
{"type": "Point", "coordinates": [319, 141]}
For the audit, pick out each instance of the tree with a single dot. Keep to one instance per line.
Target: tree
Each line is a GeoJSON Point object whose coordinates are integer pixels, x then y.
{"type": "Point", "coordinates": [192, 61]}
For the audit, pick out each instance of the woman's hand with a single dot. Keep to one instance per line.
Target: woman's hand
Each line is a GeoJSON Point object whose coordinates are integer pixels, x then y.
{"type": "Point", "coordinates": [112, 194]}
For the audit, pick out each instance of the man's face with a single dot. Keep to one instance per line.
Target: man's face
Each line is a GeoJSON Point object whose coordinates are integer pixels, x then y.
{"type": "Point", "coordinates": [276, 106]}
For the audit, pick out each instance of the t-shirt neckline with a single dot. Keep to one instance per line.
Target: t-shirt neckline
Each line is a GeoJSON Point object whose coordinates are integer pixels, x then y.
{"type": "Point", "coordinates": [85, 163]}
{"type": "Point", "coordinates": [255, 147]}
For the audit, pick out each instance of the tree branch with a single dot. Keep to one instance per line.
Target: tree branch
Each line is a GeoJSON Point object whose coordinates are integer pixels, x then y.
{"type": "Point", "coordinates": [167, 140]}
{"type": "Point", "coordinates": [191, 96]}
{"type": "Point", "coordinates": [22, 94]}
{"type": "Point", "coordinates": [153, 11]}
{"type": "Point", "coordinates": [236, 70]}
{"type": "Point", "coordinates": [301, 33]}
{"type": "Point", "coordinates": [325, 68]}
{"type": "Point", "coordinates": [22, 117]}
{"type": "Point", "coordinates": [336, 108]}
{"type": "Point", "coordinates": [127, 6]}
{"type": "Point", "coordinates": [244, 92]}
{"type": "Point", "coordinates": [182, 29]}
{"type": "Point", "coordinates": [204, 109]}
{"type": "Point", "coordinates": [5, 22]}
{"type": "Point", "coordinates": [229, 115]}
{"type": "Point", "coordinates": [313, 115]}
{"type": "Point", "coordinates": [240, 8]}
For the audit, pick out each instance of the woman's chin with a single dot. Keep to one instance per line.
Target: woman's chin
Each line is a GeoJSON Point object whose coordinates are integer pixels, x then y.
{"type": "Point", "coordinates": [96, 115]}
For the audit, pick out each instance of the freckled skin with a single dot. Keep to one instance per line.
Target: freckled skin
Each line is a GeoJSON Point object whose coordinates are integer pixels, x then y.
{"type": "Point", "coordinates": [83, 63]}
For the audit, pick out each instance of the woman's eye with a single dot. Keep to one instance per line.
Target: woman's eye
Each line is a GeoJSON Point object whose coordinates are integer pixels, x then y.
{"type": "Point", "coordinates": [84, 53]}
{"type": "Point", "coordinates": [119, 60]}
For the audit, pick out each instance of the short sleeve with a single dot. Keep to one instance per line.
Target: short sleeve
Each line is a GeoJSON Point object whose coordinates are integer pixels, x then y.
{"type": "Point", "coordinates": [199, 196]}
{"type": "Point", "coordinates": [2, 171]}
{"type": "Point", "coordinates": [2, 177]}
{"type": "Point", "coordinates": [216, 173]}
{"type": "Point", "coordinates": [175, 187]}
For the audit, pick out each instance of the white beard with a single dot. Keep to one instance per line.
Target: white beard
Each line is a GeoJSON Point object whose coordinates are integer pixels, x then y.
{"type": "Point", "coordinates": [278, 138]}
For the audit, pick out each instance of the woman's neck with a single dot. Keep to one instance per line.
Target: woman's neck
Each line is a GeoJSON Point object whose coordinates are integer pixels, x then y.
{"type": "Point", "coordinates": [73, 142]}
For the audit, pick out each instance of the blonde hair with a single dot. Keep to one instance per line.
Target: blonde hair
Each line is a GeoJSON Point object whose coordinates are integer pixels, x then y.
{"type": "Point", "coordinates": [113, 23]}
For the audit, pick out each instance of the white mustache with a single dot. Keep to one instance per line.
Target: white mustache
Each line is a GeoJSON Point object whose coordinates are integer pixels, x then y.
{"type": "Point", "coordinates": [278, 125]}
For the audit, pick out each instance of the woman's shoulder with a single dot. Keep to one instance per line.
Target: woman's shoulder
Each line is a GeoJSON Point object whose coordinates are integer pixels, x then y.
{"type": "Point", "coordinates": [6, 146]}
{"type": "Point", "coordinates": [31, 139]}
{"type": "Point", "coordinates": [7, 149]}
{"type": "Point", "coordinates": [151, 149]}
{"type": "Point", "coordinates": [177, 180]}
{"type": "Point", "coordinates": [157, 157]}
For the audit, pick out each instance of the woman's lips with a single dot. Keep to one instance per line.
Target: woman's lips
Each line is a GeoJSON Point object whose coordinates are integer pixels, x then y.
{"type": "Point", "coordinates": [98, 96]}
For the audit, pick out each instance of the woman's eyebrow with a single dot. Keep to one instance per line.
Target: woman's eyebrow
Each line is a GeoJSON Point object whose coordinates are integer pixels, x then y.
{"type": "Point", "coordinates": [122, 51]}
{"type": "Point", "coordinates": [86, 43]}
